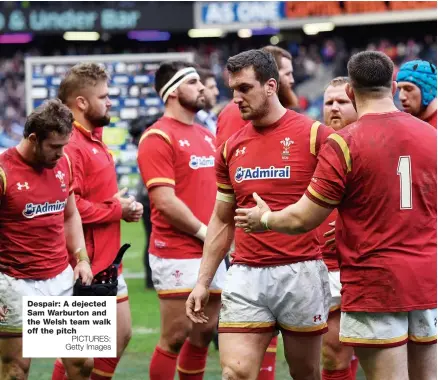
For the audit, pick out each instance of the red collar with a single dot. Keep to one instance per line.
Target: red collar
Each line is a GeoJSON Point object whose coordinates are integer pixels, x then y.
{"type": "Point", "coordinates": [95, 136]}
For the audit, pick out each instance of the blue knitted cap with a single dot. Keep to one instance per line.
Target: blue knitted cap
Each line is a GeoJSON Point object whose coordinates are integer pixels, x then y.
{"type": "Point", "coordinates": [423, 75]}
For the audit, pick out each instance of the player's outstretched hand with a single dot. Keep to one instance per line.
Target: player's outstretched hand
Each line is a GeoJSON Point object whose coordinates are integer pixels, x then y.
{"type": "Point", "coordinates": [83, 270]}
{"type": "Point", "coordinates": [250, 218]}
{"type": "Point", "coordinates": [331, 243]}
{"type": "Point", "coordinates": [135, 213]}
{"type": "Point", "coordinates": [196, 302]}
{"type": "Point", "coordinates": [128, 205]}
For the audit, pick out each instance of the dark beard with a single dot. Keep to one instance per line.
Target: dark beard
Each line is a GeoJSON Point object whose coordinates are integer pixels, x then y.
{"type": "Point", "coordinates": [99, 121]}
{"type": "Point", "coordinates": [191, 106]}
{"type": "Point", "coordinates": [259, 113]}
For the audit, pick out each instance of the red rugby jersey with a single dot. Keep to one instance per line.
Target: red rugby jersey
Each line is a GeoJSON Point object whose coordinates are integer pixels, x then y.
{"type": "Point", "coordinates": [380, 172]}
{"type": "Point", "coordinates": [182, 156]}
{"type": "Point", "coordinates": [32, 203]}
{"type": "Point", "coordinates": [328, 253]}
{"type": "Point", "coordinates": [229, 122]}
{"type": "Point", "coordinates": [277, 163]}
{"type": "Point", "coordinates": [432, 120]}
{"type": "Point", "coordinates": [95, 183]}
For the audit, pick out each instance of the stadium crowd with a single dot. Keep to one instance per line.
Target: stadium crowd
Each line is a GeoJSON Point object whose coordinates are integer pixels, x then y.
{"type": "Point", "coordinates": [309, 60]}
{"type": "Point", "coordinates": [326, 243]}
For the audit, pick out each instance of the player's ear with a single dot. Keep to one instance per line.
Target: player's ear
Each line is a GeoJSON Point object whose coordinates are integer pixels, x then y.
{"type": "Point", "coordinates": [173, 94]}
{"type": "Point", "coordinates": [81, 103]}
{"type": "Point", "coordinates": [349, 92]}
{"type": "Point", "coordinates": [32, 138]}
{"type": "Point", "coordinates": [271, 87]}
{"type": "Point", "coordinates": [394, 88]}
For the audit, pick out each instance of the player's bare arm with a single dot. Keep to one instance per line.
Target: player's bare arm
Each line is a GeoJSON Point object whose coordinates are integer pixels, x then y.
{"type": "Point", "coordinates": [220, 235]}
{"type": "Point", "coordinates": [295, 219]}
{"type": "Point", "coordinates": [75, 241]}
{"type": "Point", "coordinates": [176, 211]}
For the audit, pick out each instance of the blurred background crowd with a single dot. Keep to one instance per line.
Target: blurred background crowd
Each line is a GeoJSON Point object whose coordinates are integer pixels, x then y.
{"type": "Point", "coordinates": [29, 30]}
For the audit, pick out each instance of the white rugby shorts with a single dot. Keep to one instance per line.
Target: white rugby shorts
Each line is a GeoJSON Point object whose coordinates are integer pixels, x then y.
{"type": "Point", "coordinates": [335, 290]}
{"type": "Point", "coordinates": [388, 329]}
{"type": "Point", "coordinates": [13, 289]}
{"type": "Point", "coordinates": [176, 278]}
{"type": "Point", "coordinates": [293, 298]}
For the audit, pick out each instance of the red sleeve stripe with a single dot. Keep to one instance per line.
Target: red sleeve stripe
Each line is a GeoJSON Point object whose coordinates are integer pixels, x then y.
{"type": "Point", "coordinates": [163, 180]}
{"type": "Point", "coordinates": [3, 178]}
{"type": "Point", "coordinates": [320, 197]}
{"type": "Point", "coordinates": [313, 137]}
{"type": "Point", "coordinates": [344, 148]}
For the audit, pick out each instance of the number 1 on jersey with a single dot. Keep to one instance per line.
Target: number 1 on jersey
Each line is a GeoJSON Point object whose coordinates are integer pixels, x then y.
{"type": "Point", "coordinates": [404, 171]}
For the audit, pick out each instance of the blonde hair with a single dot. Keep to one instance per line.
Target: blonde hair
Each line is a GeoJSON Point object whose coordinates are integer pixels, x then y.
{"type": "Point", "coordinates": [79, 77]}
{"type": "Point", "coordinates": [338, 81]}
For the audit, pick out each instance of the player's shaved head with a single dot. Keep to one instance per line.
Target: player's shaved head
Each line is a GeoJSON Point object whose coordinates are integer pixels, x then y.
{"type": "Point", "coordinates": [80, 77]}
{"type": "Point", "coordinates": [261, 60]}
{"type": "Point", "coordinates": [371, 73]}
{"type": "Point", "coordinates": [51, 116]}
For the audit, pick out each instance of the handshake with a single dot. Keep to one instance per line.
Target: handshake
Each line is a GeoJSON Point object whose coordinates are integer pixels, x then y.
{"type": "Point", "coordinates": [131, 210]}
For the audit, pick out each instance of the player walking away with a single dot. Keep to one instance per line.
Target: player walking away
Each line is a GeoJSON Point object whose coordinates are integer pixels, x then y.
{"type": "Point", "coordinates": [176, 161]}
{"type": "Point", "coordinates": [206, 117]}
{"type": "Point", "coordinates": [85, 91]}
{"type": "Point", "coordinates": [229, 122]}
{"type": "Point", "coordinates": [416, 81]}
{"type": "Point", "coordinates": [337, 359]}
{"type": "Point", "coordinates": [36, 198]}
{"type": "Point", "coordinates": [386, 228]}
{"type": "Point", "coordinates": [274, 281]}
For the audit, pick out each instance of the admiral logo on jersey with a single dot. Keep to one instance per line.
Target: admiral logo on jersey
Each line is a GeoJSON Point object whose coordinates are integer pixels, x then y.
{"type": "Point", "coordinates": [32, 210]}
{"type": "Point", "coordinates": [246, 174]}
{"type": "Point", "coordinates": [197, 162]}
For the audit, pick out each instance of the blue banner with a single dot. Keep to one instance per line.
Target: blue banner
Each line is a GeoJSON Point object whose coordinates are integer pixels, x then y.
{"type": "Point", "coordinates": [242, 12]}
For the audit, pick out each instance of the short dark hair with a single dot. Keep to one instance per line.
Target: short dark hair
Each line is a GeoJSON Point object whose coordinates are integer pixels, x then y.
{"type": "Point", "coordinates": [370, 72]}
{"type": "Point", "coordinates": [278, 53]}
{"type": "Point", "coordinates": [167, 70]}
{"type": "Point", "coordinates": [79, 77]}
{"type": "Point", "coordinates": [51, 116]}
{"type": "Point", "coordinates": [205, 74]}
{"type": "Point", "coordinates": [262, 61]}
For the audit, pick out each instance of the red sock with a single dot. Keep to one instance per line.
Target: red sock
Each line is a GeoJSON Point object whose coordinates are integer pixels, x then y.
{"type": "Point", "coordinates": [58, 371]}
{"type": "Point", "coordinates": [354, 364]}
{"type": "Point", "coordinates": [192, 361]}
{"type": "Point", "coordinates": [163, 365]}
{"type": "Point", "coordinates": [104, 368]}
{"type": "Point", "coordinates": [337, 374]}
{"type": "Point", "coordinates": [267, 370]}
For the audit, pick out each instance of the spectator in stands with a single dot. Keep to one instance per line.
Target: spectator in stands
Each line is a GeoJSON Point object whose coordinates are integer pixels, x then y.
{"type": "Point", "coordinates": [206, 117]}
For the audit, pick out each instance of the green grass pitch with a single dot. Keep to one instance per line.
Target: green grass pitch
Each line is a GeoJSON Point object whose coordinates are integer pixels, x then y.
{"type": "Point", "coordinates": [146, 324]}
